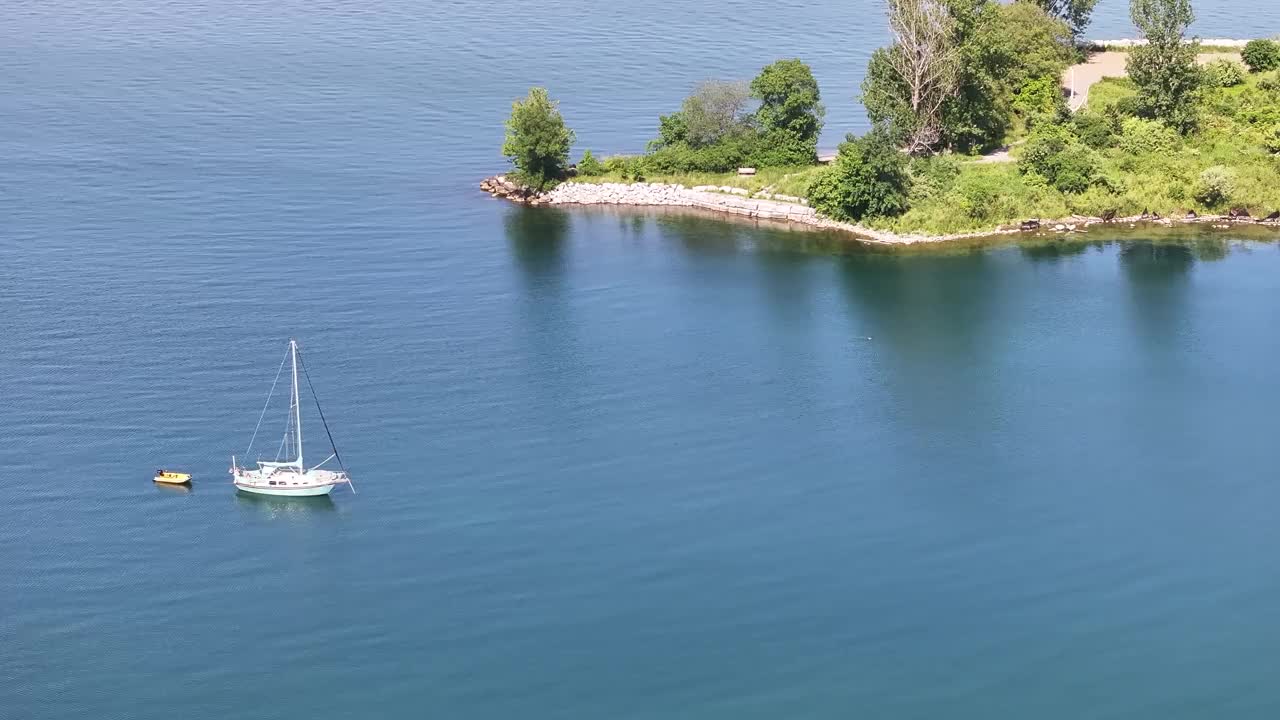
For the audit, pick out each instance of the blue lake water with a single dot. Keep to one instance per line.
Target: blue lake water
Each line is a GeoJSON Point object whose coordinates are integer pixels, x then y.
{"type": "Point", "coordinates": [624, 465]}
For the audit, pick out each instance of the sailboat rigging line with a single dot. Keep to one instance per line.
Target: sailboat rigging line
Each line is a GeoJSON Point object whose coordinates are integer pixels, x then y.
{"type": "Point", "coordinates": [266, 404]}
{"type": "Point", "coordinates": [320, 410]}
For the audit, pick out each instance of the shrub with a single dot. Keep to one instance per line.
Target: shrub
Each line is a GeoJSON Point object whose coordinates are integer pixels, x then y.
{"type": "Point", "coordinates": [933, 176]}
{"type": "Point", "coordinates": [626, 166]}
{"type": "Point", "coordinates": [1055, 155]}
{"type": "Point", "coordinates": [1040, 100]}
{"type": "Point", "coordinates": [589, 166]}
{"type": "Point", "coordinates": [1261, 55]}
{"type": "Point", "coordinates": [1271, 139]}
{"type": "Point", "coordinates": [1270, 83]}
{"type": "Point", "coordinates": [1222, 74]}
{"type": "Point", "coordinates": [868, 178]}
{"type": "Point", "coordinates": [1144, 137]}
{"type": "Point", "coordinates": [1040, 149]}
{"type": "Point", "coordinates": [983, 196]}
{"type": "Point", "coordinates": [779, 148]}
{"type": "Point", "coordinates": [1075, 169]}
{"type": "Point", "coordinates": [1093, 129]}
{"type": "Point", "coordinates": [1215, 187]}
{"type": "Point", "coordinates": [725, 155]}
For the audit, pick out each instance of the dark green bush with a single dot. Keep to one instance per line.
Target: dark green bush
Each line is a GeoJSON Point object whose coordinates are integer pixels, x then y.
{"type": "Point", "coordinates": [1094, 130]}
{"type": "Point", "coordinates": [1054, 154]}
{"type": "Point", "coordinates": [1075, 169]}
{"type": "Point", "coordinates": [868, 179]}
{"type": "Point", "coordinates": [1261, 55]}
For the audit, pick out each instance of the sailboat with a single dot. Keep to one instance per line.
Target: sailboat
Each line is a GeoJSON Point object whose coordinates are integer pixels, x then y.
{"type": "Point", "coordinates": [290, 478]}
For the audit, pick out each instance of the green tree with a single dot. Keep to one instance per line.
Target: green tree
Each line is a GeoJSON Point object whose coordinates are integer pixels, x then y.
{"type": "Point", "coordinates": [537, 141]}
{"type": "Point", "coordinates": [1261, 55]}
{"type": "Point", "coordinates": [908, 84]}
{"type": "Point", "coordinates": [1075, 13]}
{"type": "Point", "coordinates": [1003, 49]}
{"type": "Point", "coordinates": [1022, 43]}
{"type": "Point", "coordinates": [1164, 70]}
{"type": "Point", "coordinates": [791, 112]}
{"type": "Point", "coordinates": [869, 178]}
{"type": "Point", "coordinates": [715, 111]}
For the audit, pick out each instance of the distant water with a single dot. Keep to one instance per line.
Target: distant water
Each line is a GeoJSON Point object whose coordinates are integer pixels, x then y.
{"type": "Point", "coordinates": [610, 465]}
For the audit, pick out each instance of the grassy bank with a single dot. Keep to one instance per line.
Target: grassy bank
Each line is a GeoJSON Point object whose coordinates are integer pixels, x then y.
{"type": "Point", "coordinates": [792, 180]}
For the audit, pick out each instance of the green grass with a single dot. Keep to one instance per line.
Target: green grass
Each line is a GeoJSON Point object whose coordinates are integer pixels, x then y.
{"type": "Point", "coordinates": [782, 180]}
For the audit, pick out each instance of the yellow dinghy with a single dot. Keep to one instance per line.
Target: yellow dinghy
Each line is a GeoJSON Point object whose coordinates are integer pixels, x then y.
{"type": "Point", "coordinates": [172, 478]}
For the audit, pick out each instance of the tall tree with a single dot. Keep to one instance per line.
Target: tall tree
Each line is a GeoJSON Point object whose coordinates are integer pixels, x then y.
{"type": "Point", "coordinates": [908, 84]}
{"type": "Point", "coordinates": [537, 141]}
{"type": "Point", "coordinates": [716, 110]}
{"type": "Point", "coordinates": [1164, 70]}
{"type": "Point", "coordinates": [1074, 12]}
{"type": "Point", "coordinates": [789, 100]}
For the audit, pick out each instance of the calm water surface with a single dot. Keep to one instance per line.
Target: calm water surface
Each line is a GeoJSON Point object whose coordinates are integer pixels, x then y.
{"type": "Point", "coordinates": [629, 465]}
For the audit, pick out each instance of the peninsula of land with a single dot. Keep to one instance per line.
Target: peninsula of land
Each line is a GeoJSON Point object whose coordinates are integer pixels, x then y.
{"type": "Point", "coordinates": [988, 119]}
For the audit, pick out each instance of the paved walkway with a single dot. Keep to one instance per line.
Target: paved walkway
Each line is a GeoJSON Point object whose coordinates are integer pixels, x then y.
{"type": "Point", "coordinates": [1079, 78]}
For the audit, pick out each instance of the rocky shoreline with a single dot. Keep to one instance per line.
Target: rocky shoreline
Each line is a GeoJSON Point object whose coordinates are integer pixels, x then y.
{"type": "Point", "coordinates": [780, 208]}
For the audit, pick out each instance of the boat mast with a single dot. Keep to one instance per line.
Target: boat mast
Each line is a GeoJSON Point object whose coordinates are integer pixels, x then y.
{"type": "Point", "coordinates": [297, 404]}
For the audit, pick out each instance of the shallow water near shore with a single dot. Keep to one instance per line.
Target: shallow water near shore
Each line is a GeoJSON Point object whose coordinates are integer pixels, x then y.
{"type": "Point", "coordinates": [610, 463]}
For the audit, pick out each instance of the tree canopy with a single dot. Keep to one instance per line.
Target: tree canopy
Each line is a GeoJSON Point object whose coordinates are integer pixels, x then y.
{"type": "Point", "coordinates": [1164, 70]}
{"type": "Point", "coordinates": [537, 141]}
{"type": "Point", "coordinates": [954, 81]}
{"type": "Point", "coordinates": [1075, 13]}
{"type": "Point", "coordinates": [791, 108]}
{"type": "Point", "coordinates": [716, 128]}
{"type": "Point", "coordinates": [868, 179]}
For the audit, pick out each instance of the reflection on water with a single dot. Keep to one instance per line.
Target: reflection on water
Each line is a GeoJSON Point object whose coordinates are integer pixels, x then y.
{"type": "Point", "coordinates": [538, 239]}
{"type": "Point", "coordinates": [169, 489]}
{"type": "Point", "coordinates": [1057, 250]}
{"type": "Point", "coordinates": [274, 507]}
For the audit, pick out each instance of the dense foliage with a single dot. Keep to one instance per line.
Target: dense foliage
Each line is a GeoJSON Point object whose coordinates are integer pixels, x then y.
{"type": "Point", "coordinates": [717, 130]}
{"type": "Point", "coordinates": [1164, 70]}
{"type": "Point", "coordinates": [589, 166]}
{"type": "Point", "coordinates": [868, 179]}
{"type": "Point", "coordinates": [537, 141]}
{"type": "Point", "coordinates": [1222, 73]}
{"type": "Point", "coordinates": [1075, 13]}
{"type": "Point", "coordinates": [1261, 55]}
{"type": "Point", "coordinates": [790, 115]}
{"type": "Point", "coordinates": [1000, 52]}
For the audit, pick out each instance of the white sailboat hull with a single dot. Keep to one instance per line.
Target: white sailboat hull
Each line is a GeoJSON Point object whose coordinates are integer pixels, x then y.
{"type": "Point", "coordinates": [286, 491]}
{"type": "Point", "coordinates": [287, 483]}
